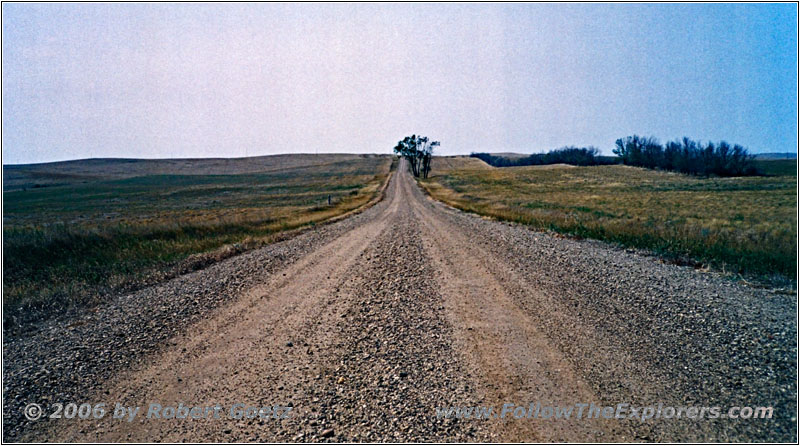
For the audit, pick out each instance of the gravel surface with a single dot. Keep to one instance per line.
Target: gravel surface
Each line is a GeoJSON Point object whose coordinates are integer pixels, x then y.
{"type": "Point", "coordinates": [366, 325]}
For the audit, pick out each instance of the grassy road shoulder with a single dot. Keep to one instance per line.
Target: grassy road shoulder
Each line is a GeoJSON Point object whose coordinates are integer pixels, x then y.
{"type": "Point", "coordinates": [71, 245]}
{"type": "Point", "coordinates": [741, 225]}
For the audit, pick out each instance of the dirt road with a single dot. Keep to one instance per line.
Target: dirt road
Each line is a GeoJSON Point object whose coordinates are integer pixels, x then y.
{"type": "Point", "coordinates": [365, 327]}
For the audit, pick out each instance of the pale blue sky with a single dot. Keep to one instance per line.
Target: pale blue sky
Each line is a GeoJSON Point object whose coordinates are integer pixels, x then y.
{"type": "Point", "coordinates": [199, 80]}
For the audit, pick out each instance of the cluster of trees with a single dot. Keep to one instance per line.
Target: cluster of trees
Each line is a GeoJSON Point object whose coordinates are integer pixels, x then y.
{"type": "Point", "coordinates": [418, 150]}
{"type": "Point", "coordinates": [578, 156]}
{"type": "Point", "coordinates": [686, 156]}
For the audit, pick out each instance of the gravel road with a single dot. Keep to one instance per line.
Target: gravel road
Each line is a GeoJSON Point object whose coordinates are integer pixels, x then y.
{"type": "Point", "coordinates": [366, 326]}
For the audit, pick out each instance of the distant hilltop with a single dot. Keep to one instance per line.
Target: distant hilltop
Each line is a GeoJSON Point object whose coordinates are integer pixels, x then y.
{"type": "Point", "coordinates": [776, 156]}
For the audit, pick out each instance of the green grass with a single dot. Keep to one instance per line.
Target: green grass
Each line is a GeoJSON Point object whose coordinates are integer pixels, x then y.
{"type": "Point", "coordinates": [743, 225]}
{"type": "Point", "coordinates": [75, 244]}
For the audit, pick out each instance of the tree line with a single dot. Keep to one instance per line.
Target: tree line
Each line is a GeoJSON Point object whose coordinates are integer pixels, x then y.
{"type": "Point", "coordinates": [686, 156]}
{"type": "Point", "coordinates": [577, 156]}
{"type": "Point", "coordinates": [418, 150]}
{"type": "Point", "coordinates": [683, 155]}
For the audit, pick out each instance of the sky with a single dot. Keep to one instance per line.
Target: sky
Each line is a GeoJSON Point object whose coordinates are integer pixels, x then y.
{"type": "Point", "coordinates": [154, 80]}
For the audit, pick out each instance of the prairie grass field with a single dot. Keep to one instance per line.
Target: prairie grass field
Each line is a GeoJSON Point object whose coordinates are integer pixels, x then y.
{"type": "Point", "coordinates": [744, 225]}
{"type": "Point", "coordinates": [75, 232]}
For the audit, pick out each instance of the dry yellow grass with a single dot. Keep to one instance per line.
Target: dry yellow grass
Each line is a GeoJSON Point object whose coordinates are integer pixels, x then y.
{"type": "Point", "coordinates": [743, 224]}
{"type": "Point", "coordinates": [73, 243]}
